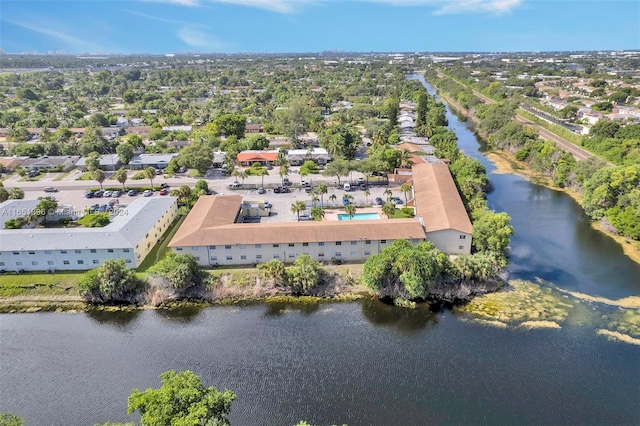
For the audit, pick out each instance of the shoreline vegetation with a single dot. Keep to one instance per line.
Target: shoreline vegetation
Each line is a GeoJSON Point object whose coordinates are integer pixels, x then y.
{"type": "Point", "coordinates": [506, 163]}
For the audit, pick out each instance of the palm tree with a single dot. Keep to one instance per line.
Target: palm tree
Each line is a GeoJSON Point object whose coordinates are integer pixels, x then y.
{"type": "Point", "coordinates": [317, 213]}
{"type": "Point", "coordinates": [347, 197]}
{"type": "Point", "coordinates": [388, 194]}
{"type": "Point", "coordinates": [99, 176]}
{"type": "Point", "coordinates": [322, 189]}
{"type": "Point", "coordinates": [406, 188]}
{"type": "Point", "coordinates": [350, 209]}
{"type": "Point", "coordinates": [150, 173]}
{"type": "Point", "coordinates": [297, 207]}
{"type": "Point", "coordinates": [314, 199]}
{"type": "Point", "coordinates": [121, 176]}
{"type": "Point", "coordinates": [333, 198]}
{"type": "Point", "coordinates": [243, 175]}
{"type": "Point", "coordinates": [388, 210]}
{"type": "Point", "coordinates": [366, 196]}
{"type": "Point", "coordinates": [284, 172]}
{"type": "Point", "coordinates": [404, 159]}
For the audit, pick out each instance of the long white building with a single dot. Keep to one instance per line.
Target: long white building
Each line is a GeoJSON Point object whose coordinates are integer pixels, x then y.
{"type": "Point", "coordinates": [131, 235]}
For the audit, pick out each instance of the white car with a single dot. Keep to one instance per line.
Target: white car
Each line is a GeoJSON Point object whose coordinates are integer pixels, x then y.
{"type": "Point", "coordinates": [107, 193]}
{"type": "Point", "coordinates": [147, 193]}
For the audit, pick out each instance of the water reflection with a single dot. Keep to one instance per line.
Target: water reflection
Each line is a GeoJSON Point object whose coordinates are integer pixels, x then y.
{"type": "Point", "coordinates": [405, 320]}
{"type": "Point", "coordinates": [276, 309]}
{"type": "Point", "coordinates": [117, 318]}
{"type": "Point", "coordinates": [182, 314]}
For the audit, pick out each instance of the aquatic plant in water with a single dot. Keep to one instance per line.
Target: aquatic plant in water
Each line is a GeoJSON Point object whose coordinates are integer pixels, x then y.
{"type": "Point", "coordinates": [524, 304]}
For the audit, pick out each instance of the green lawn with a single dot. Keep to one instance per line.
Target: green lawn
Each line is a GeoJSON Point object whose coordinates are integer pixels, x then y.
{"type": "Point", "coordinates": [399, 214]}
{"type": "Point", "coordinates": [86, 176]}
{"type": "Point", "coordinates": [33, 179]}
{"type": "Point", "coordinates": [40, 283]}
{"type": "Point", "coordinates": [61, 176]}
{"type": "Point", "coordinates": [160, 250]}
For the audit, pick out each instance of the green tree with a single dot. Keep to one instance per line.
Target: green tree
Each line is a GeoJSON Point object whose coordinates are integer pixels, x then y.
{"type": "Point", "coordinates": [367, 193]}
{"type": "Point", "coordinates": [16, 194]}
{"type": "Point", "coordinates": [110, 282]}
{"type": "Point", "coordinates": [406, 189]}
{"type": "Point", "coordinates": [297, 207]}
{"type": "Point", "coordinates": [121, 176]}
{"type": "Point", "coordinates": [4, 194]}
{"type": "Point", "coordinates": [197, 156]}
{"type": "Point", "coordinates": [9, 419]}
{"type": "Point", "coordinates": [296, 118]}
{"type": "Point", "coordinates": [309, 167]}
{"type": "Point", "coordinates": [98, 176]}
{"type": "Point", "coordinates": [337, 168]}
{"type": "Point", "coordinates": [322, 189]}
{"type": "Point", "coordinates": [350, 209]}
{"type": "Point", "coordinates": [182, 400]}
{"type": "Point", "coordinates": [93, 161]}
{"type": "Point", "coordinates": [125, 152]}
{"type": "Point", "coordinates": [150, 173]}
{"type": "Point", "coordinates": [275, 270]}
{"type": "Point", "coordinates": [230, 125]}
{"type": "Point", "coordinates": [305, 273]}
{"type": "Point", "coordinates": [317, 213]}
{"type": "Point", "coordinates": [182, 271]}
{"type": "Point", "coordinates": [389, 210]}
{"type": "Point", "coordinates": [202, 186]}
{"type": "Point", "coordinates": [45, 206]}
{"type": "Point", "coordinates": [492, 232]}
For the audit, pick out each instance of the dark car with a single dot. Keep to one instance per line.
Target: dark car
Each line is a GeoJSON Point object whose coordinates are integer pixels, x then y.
{"type": "Point", "coordinates": [103, 208]}
{"type": "Point", "coordinates": [345, 202]}
{"type": "Point", "coordinates": [158, 172]}
{"type": "Point", "coordinates": [164, 185]}
{"type": "Point", "coordinates": [379, 201]}
{"type": "Point", "coordinates": [132, 192]}
{"type": "Point", "coordinates": [261, 190]}
{"type": "Point", "coordinates": [397, 200]}
{"type": "Point", "coordinates": [277, 190]}
{"type": "Point", "coordinates": [98, 194]}
{"type": "Point", "coordinates": [89, 194]}
{"type": "Point", "coordinates": [116, 193]}
{"type": "Point", "coordinates": [50, 189]}
{"type": "Point", "coordinates": [286, 182]}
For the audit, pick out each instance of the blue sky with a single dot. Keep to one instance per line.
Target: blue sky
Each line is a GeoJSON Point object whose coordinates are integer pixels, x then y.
{"type": "Point", "coordinates": [165, 26]}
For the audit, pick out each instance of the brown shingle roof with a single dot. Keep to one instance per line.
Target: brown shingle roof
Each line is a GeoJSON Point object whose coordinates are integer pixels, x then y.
{"type": "Point", "coordinates": [211, 222]}
{"type": "Point", "coordinates": [437, 199]}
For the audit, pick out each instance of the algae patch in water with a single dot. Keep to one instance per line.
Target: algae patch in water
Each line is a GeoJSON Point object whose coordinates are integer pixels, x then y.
{"type": "Point", "coordinates": [525, 304]}
{"type": "Point", "coordinates": [614, 335]}
{"type": "Point", "coordinates": [626, 323]}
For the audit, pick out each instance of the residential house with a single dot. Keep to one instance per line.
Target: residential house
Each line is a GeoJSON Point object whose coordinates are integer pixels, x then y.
{"type": "Point", "coordinates": [297, 157]}
{"type": "Point", "coordinates": [108, 162]}
{"type": "Point", "coordinates": [247, 158]}
{"type": "Point", "coordinates": [158, 161]}
{"type": "Point", "coordinates": [62, 162]}
{"type": "Point", "coordinates": [11, 163]}
{"type": "Point", "coordinates": [253, 128]}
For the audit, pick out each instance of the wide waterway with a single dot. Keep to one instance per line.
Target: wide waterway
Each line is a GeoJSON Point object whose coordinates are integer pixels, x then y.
{"type": "Point", "coordinates": [359, 363]}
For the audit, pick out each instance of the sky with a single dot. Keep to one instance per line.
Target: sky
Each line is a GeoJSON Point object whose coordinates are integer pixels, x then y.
{"type": "Point", "coordinates": [230, 26]}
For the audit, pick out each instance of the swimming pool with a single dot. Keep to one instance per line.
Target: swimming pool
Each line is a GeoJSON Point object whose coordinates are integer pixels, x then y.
{"type": "Point", "coordinates": [359, 216]}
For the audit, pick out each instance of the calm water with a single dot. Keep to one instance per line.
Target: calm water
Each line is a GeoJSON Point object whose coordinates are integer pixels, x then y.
{"type": "Point", "coordinates": [359, 216]}
{"type": "Point", "coordinates": [357, 363]}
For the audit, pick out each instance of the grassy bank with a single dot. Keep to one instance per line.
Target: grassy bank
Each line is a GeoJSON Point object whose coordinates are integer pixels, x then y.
{"type": "Point", "coordinates": [553, 128]}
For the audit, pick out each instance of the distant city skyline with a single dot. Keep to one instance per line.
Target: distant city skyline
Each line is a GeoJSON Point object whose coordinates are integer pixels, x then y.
{"type": "Point", "coordinates": [287, 26]}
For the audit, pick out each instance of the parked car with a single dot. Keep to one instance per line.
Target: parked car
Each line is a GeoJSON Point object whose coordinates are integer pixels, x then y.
{"type": "Point", "coordinates": [33, 173]}
{"type": "Point", "coordinates": [362, 186]}
{"type": "Point", "coordinates": [305, 216]}
{"type": "Point", "coordinates": [286, 182]}
{"type": "Point", "coordinates": [103, 208]}
{"type": "Point", "coordinates": [113, 202]}
{"type": "Point", "coordinates": [397, 200]}
{"type": "Point", "coordinates": [158, 172]}
{"type": "Point", "coordinates": [116, 194]}
{"type": "Point", "coordinates": [379, 201]}
{"type": "Point", "coordinates": [89, 194]}
{"type": "Point", "coordinates": [267, 205]}
{"type": "Point", "coordinates": [132, 192]}
{"type": "Point", "coordinates": [345, 202]}
{"type": "Point", "coordinates": [107, 193]}
{"type": "Point", "coordinates": [277, 190]}
{"type": "Point", "coordinates": [347, 186]}
{"type": "Point", "coordinates": [98, 194]}
{"type": "Point", "coordinates": [261, 190]}
{"type": "Point", "coordinates": [361, 180]}
{"type": "Point", "coordinates": [50, 189]}
{"type": "Point", "coordinates": [164, 185]}
{"type": "Point", "coordinates": [164, 191]}
{"type": "Point", "coordinates": [147, 193]}
{"type": "Point", "coordinates": [235, 184]}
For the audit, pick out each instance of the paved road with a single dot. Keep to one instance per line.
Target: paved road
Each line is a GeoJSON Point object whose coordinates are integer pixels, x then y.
{"type": "Point", "coordinates": [578, 153]}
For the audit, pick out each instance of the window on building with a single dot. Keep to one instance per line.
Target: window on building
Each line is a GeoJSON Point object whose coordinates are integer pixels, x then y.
{"type": "Point", "coordinates": [50, 262]}
{"type": "Point", "coordinates": [61, 252]}
{"type": "Point", "coordinates": [197, 258]}
{"type": "Point", "coordinates": [109, 250]}
{"type": "Point", "coordinates": [34, 263]}
{"type": "Point", "coordinates": [338, 243]}
{"type": "Point", "coordinates": [227, 247]}
{"type": "Point", "coordinates": [125, 250]}
{"type": "Point", "coordinates": [305, 244]}
{"type": "Point", "coordinates": [367, 253]}
{"type": "Point", "coordinates": [214, 257]}
{"type": "Point", "coordinates": [178, 248]}
{"type": "Point", "coordinates": [276, 256]}
{"type": "Point", "coordinates": [32, 252]}
{"type": "Point", "coordinates": [320, 244]}
{"type": "Point", "coordinates": [92, 250]}
{"type": "Point", "coordinates": [243, 257]}
{"type": "Point", "coordinates": [354, 253]}
{"type": "Point", "coordinates": [353, 243]}
{"type": "Point", "coordinates": [194, 248]}
{"type": "Point", "coordinates": [95, 261]}
{"type": "Point", "coordinates": [210, 248]}
{"type": "Point", "coordinates": [47, 252]}
{"type": "Point", "coordinates": [128, 260]}
{"type": "Point", "coordinates": [276, 245]}
{"type": "Point", "coordinates": [338, 254]}
{"type": "Point", "coordinates": [292, 255]}
{"type": "Point", "coordinates": [65, 262]}
{"type": "Point", "coordinates": [78, 251]}
{"type": "Point", "coordinates": [367, 242]}
{"type": "Point", "coordinates": [18, 263]}
{"type": "Point", "coordinates": [1, 263]}
{"type": "Point", "coordinates": [383, 241]}
{"type": "Point", "coordinates": [229, 257]}
{"type": "Point", "coordinates": [80, 262]}
{"type": "Point", "coordinates": [460, 247]}
{"type": "Point", "coordinates": [258, 245]}
{"type": "Point", "coordinates": [242, 246]}
{"type": "Point", "coordinates": [463, 237]}
{"type": "Point", "coordinates": [320, 254]}
{"type": "Point", "coordinates": [258, 256]}
{"type": "Point", "coordinates": [292, 244]}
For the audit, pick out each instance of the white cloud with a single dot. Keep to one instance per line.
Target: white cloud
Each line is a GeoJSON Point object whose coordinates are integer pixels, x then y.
{"type": "Point", "coordinates": [450, 7]}
{"type": "Point", "coordinates": [195, 37]}
{"type": "Point", "coordinates": [45, 28]}
{"type": "Point", "coordinates": [190, 3]}
{"type": "Point", "coordinates": [280, 6]}
{"type": "Point", "coordinates": [156, 18]}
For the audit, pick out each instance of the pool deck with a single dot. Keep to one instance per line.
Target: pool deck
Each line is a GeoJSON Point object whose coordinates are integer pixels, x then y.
{"type": "Point", "coordinates": [332, 214]}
